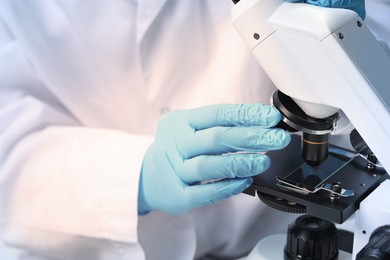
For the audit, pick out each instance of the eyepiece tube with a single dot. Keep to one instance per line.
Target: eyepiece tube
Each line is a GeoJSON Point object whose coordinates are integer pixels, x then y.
{"type": "Point", "coordinates": [315, 148]}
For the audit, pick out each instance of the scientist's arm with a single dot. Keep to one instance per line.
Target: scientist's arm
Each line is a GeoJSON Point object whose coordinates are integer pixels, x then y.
{"type": "Point", "coordinates": [67, 189]}
{"type": "Point", "coordinates": [60, 183]}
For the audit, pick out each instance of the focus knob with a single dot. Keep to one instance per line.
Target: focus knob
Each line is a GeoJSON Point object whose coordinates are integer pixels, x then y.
{"type": "Point", "coordinates": [358, 143]}
{"type": "Point", "coordinates": [378, 248]}
{"type": "Point", "coordinates": [311, 238]}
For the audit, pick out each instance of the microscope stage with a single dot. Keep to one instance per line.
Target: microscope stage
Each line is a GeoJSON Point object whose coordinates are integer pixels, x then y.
{"type": "Point", "coordinates": [350, 172]}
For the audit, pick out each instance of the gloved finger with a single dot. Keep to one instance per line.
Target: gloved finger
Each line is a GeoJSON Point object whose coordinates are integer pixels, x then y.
{"type": "Point", "coordinates": [233, 115]}
{"type": "Point", "coordinates": [329, 3]}
{"type": "Point", "coordinates": [219, 140]}
{"type": "Point", "coordinates": [332, 3]}
{"type": "Point", "coordinates": [204, 168]}
{"type": "Point", "coordinates": [206, 194]}
{"type": "Point", "coordinates": [356, 5]}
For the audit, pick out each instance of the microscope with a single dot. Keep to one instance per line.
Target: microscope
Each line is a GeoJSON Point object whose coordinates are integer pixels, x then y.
{"type": "Point", "coordinates": [324, 62]}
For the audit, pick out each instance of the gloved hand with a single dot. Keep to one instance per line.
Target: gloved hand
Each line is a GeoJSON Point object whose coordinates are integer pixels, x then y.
{"type": "Point", "coordinates": [355, 5]}
{"type": "Point", "coordinates": [194, 146]}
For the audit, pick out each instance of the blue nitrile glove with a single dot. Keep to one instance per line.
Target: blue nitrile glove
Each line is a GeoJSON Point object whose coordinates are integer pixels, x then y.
{"type": "Point", "coordinates": [194, 146]}
{"type": "Point", "coordinates": [355, 5]}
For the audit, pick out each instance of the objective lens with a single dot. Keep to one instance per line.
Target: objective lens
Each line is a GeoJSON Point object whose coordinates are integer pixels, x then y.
{"type": "Point", "coordinates": [315, 148]}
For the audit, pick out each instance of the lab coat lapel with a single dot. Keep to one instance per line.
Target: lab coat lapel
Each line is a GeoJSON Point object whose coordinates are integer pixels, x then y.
{"type": "Point", "coordinates": [146, 13]}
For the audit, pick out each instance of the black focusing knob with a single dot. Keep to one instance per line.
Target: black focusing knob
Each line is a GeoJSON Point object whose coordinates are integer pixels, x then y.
{"type": "Point", "coordinates": [358, 143]}
{"type": "Point", "coordinates": [236, 1]}
{"type": "Point", "coordinates": [311, 238]}
{"type": "Point", "coordinates": [378, 248]}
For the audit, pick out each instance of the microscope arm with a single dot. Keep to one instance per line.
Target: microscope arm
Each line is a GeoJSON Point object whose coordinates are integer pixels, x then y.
{"type": "Point", "coordinates": [325, 59]}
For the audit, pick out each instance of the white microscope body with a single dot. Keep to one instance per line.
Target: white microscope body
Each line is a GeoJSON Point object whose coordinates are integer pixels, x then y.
{"type": "Point", "coordinates": [327, 59]}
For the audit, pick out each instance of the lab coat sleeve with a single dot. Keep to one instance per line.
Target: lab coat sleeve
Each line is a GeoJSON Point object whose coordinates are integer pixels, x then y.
{"type": "Point", "coordinates": [60, 181]}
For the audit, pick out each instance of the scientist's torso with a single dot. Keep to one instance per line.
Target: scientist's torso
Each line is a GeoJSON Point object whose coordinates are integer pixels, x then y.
{"type": "Point", "coordinates": [122, 64]}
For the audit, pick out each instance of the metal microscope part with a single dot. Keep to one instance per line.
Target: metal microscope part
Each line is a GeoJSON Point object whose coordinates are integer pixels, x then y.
{"type": "Point", "coordinates": [316, 131]}
{"type": "Point", "coordinates": [307, 179]}
{"type": "Point", "coordinates": [281, 204]}
{"type": "Point", "coordinates": [298, 187]}
{"type": "Point", "coordinates": [297, 119]}
{"type": "Point", "coordinates": [353, 176]}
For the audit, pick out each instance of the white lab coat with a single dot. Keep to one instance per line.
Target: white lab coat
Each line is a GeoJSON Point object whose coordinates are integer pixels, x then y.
{"type": "Point", "coordinates": [82, 86]}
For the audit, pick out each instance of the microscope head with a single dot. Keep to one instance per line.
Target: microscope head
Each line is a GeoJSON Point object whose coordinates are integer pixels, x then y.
{"type": "Point", "coordinates": [315, 131]}
{"type": "Point", "coordinates": [321, 60]}
{"type": "Point", "coordinates": [319, 57]}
